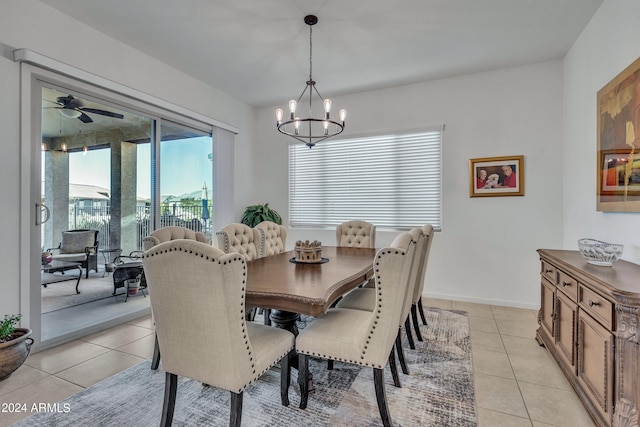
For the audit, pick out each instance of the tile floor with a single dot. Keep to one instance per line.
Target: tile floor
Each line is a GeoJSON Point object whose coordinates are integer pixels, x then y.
{"type": "Point", "coordinates": [516, 381]}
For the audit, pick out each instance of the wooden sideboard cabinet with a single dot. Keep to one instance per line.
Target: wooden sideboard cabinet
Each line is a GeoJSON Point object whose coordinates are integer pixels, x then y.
{"type": "Point", "coordinates": [588, 319]}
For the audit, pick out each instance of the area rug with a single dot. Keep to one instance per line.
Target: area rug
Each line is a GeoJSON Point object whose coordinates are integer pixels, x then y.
{"type": "Point", "coordinates": [438, 392]}
{"type": "Point", "coordinates": [60, 295]}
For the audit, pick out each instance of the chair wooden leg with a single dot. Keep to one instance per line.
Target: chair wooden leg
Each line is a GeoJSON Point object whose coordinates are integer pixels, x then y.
{"type": "Point", "coordinates": [424, 319]}
{"type": "Point", "coordinates": [303, 374]}
{"type": "Point", "coordinates": [285, 377]}
{"type": "Point", "coordinates": [235, 415]}
{"type": "Point", "coordinates": [155, 361]}
{"type": "Point", "coordinates": [394, 369]}
{"type": "Point", "coordinates": [407, 327]}
{"type": "Point", "coordinates": [170, 388]}
{"type": "Point", "coordinates": [416, 326]}
{"type": "Point", "coordinates": [381, 397]}
{"type": "Point", "coordinates": [329, 365]}
{"type": "Point", "coordinates": [403, 363]}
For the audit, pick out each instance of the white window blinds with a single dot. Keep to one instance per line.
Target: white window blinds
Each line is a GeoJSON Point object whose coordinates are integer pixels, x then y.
{"type": "Point", "coordinates": [392, 181]}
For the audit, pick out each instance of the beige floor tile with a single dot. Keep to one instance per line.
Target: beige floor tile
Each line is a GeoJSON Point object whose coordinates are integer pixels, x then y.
{"type": "Point", "coordinates": [539, 370]}
{"type": "Point", "coordinates": [486, 341]}
{"type": "Point", "coordinates": [499, 394]}
{"type": "Point", "coordinates": [524, 346]}
{"type": "Point", "coordinates": [525, 327]}
{"type": "Point", "coordinates": [92, 371]}
{"type": "Point", "coordinates": [118, 336]}
{"type": "Point", "coordinates": [24, 375]}
{"type": "Point", "coordinates": [491, 363]}
{"type": "Point", "coordinates": [64, 356]}
{"type": "Point", "coordinates": [435, 302]}
{"type": "Point", "coordinates": [539, 424]}
{"type": "Point", "coordinates": [480, 310]}
{"type": "Point", "coordinates": [141, 348]}
{"type": "Point", "coordinates": [483, 324]}
{"type": "Point", "coordinates": [554, 406]}
{"type": "Point", "coordinates": [46, 390]}
{"type": "Point", "coordinates": [488, 418]}
{"type": "Point", "coordinates": [143, 322]}
{"type": "Point", "coordinates": [512, 313]}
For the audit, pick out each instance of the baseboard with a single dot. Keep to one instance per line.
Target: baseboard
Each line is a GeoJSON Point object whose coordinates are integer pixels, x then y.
{"type": "Point", "coordinates": [486, 301]}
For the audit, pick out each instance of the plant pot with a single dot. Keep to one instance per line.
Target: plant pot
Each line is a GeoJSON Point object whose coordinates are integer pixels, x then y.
{"type": "Point", "coordinates": [14, 352]}
{"type": "Point", "coordinates": [133, 286]}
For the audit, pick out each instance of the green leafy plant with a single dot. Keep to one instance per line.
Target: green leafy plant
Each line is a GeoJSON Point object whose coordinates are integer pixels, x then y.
{"type": "Point", "coordinates": [8, 326]}
{"type": "Point", "coordinates": [255, 214]}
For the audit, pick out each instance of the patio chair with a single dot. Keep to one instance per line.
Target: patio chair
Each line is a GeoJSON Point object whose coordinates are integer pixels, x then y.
{"type": "Point", "coordinates": [78, 246]}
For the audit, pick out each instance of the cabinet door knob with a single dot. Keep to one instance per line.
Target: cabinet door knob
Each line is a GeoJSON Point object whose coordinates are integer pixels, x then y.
{"type": "Point", "coordinates": [592, 303]}
{"type": "Point", "coordinates": [548, 271]}
{"type": "Point", "coordinates": [566, 283]}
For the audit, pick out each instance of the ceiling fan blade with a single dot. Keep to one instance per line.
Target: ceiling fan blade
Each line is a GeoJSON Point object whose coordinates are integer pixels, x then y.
{"type": "Point", "coordinates": [103, 113]}
{"type": "Point", "coordinates": [84, 118]}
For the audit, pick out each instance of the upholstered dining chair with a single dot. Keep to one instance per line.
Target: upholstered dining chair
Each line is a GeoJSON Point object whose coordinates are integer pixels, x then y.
{"type": "Point", "coordinates": [198, 300]}
{"type": "Point", "coordinates": [166, 234]}
{"type": "Point", "coordinates": [361, 337]}
{"type": "Point", "coordinates": [273, 240]}
{"type": "Point", "coordinates": [364, 298]}
{"type": "Point", "coordinates": [356, 233]}
{"type": "Point", "coordinates": [240, 238]}
{"type": "Point", "coordinates": [161, 235]}
{"type": "Point", "coordinates": [416, 305]}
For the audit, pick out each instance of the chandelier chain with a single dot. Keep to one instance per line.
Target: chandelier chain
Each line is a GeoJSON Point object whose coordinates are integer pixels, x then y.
{"type": "Point", "coordinates": [310, 53]}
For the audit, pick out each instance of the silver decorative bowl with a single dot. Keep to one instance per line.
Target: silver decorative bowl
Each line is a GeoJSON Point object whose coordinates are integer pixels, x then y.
{"type": "Point", "coordinates": [600, 253]}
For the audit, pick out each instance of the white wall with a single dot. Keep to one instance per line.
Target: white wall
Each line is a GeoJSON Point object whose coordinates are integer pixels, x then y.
{"type": "Point", "coordinates": [32, 25]}
{"type": "Point", "coordinates": [486, 251]}
{"type": "Point", "coordinates": [606, 47]}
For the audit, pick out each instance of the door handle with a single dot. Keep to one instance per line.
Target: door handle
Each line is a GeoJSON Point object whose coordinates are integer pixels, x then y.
{"type": "Point", "coordinates": [40, 208]}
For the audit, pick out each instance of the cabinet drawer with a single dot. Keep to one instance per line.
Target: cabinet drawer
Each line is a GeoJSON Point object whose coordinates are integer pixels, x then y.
{"type": "Point", "coordinates": [548, 271]}
{"type": "Point", "coordinates": [597, 306]}
{"type": "Point", "coordinates": [568, 285]}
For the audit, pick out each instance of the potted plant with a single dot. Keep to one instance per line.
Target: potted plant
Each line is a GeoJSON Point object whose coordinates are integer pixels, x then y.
{"type": "Point", "coordinates": [15, 344]}
{"type": "Point", "coordinates": [255, 214]}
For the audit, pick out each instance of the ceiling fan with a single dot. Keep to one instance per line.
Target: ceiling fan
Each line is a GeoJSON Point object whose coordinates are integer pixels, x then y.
{"type": "Point", "coordinates": [72, 108]}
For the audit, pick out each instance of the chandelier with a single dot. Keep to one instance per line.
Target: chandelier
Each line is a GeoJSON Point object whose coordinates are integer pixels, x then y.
{"type": "Point", "coordinates": [310, 130]}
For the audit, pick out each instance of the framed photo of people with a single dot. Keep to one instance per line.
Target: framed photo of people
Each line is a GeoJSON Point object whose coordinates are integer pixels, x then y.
{"type": "Point", "coordinates": [496, 176]}
{"type": "Point", "coordinates": [618, 170]}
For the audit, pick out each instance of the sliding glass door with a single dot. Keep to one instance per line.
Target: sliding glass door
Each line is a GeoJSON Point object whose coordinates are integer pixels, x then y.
{"type": "Point", "coordinates": [185, 178]}
{"type": "Point", "coordinates": [122, 172]}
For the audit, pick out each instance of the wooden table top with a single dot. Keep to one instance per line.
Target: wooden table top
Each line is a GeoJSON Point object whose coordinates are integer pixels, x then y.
{"type": "Point", "coordinates": [275, 282]}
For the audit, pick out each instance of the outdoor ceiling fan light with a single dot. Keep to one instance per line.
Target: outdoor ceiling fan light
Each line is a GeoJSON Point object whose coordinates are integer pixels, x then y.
{"type": "Point", "coordinates": [70, 113]}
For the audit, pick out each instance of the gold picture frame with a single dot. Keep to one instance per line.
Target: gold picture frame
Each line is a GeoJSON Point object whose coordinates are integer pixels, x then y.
{"type": "Point", "coordinates": [618, 168]}
{"type": "Point", "coordinates": [496, 176]}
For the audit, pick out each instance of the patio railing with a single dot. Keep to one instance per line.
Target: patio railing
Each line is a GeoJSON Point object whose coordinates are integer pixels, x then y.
{"type": "Point", "coordinates": [99, 218]}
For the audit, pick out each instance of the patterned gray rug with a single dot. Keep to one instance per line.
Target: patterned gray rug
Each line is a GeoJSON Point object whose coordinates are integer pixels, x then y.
{"type": "Point", "coordinates": [438, 392]}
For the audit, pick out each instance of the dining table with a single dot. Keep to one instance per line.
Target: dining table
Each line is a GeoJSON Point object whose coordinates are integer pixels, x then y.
{"type": "Point", "coordinates": [290, 288]}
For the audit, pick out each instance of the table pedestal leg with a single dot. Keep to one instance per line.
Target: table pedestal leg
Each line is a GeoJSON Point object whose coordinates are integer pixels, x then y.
{"type": "Point", "coordinates": [287, 320]}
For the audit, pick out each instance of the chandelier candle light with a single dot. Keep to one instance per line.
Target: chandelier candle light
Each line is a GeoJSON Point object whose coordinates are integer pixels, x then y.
{"type": "Point", "coordinates": [310, 130]}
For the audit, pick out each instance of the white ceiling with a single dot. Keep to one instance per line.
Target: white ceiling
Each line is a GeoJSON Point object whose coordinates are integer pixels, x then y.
{"type": "Point", "coordinates": [258, 50]}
